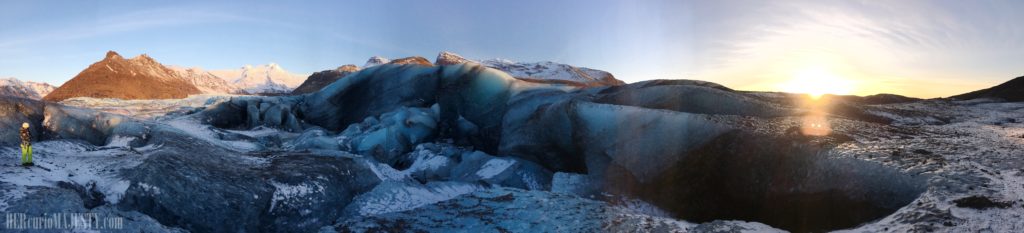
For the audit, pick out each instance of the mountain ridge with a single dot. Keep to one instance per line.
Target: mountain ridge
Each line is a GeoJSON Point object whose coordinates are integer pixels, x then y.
{"type": "Point", "coordinates": [140, 77]}
{"type": "Point", "coordinates": [1012, 91]}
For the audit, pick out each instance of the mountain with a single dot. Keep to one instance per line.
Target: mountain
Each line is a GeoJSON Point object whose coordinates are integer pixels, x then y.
{"type": "Point", "coordinates": [1012, 91]}
{"type": "Point", "coordinates": [319, 80]}
{"type": "Point", "coordinates": [206, 82]}
{"type": "Point", "coordinates": [412, 60]}
{"type": "Point", "coordinates": [375, 61]}
{"type": "Point", "coordinates": [265, 79]}
{"type": "Point", "coordinates": [539, 71]}
{"type": "Point", "coordinates": [25, 89]}
{"type": "Point", "coordinates": [378, 60]}
{"type": "Point", "coordinates": [140, 77]}
{"type": "Point", "coordinates": [448, 58]}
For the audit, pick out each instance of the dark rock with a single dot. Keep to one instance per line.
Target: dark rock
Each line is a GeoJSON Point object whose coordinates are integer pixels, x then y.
{"type": "Point", "coordinates": [981, 203]}
{"type": "Point", "coordinates": [211, 190]}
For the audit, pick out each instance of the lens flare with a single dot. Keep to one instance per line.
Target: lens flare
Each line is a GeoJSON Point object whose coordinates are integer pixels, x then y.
{"type": "Point", "coordinates": [815, 124]}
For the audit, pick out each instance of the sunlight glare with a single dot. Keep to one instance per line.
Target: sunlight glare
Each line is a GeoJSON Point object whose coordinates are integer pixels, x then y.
{"type": "Point", "coordinates": [816, 82]}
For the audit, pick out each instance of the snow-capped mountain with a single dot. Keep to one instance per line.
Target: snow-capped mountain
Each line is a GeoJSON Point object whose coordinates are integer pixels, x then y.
{"type": "Point", "coordinates": [206, 82]}
{"type": "Point", "coordinates": [538, 70]}
{"type": "Point", "coordinates": [25, 89]}
{"type": "Point", "coordinates": [140, 77]}
{"type": "Point", "coordinates": [264, 79]}
{"type": "Point", "coordinates": [376, 61]}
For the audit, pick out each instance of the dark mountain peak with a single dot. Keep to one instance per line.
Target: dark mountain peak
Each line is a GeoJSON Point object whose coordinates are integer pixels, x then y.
{"type": "Point", "coordinates": [321, 79]}
{"type": "Point", "coordinates": [348, 68]}
{"type": "Point", "coordinates": [412, 60]}
{"type": "Point", "coordinates": [1012, 91]}
{"type": "Point", "coordinates": [112, 55]}
{"type": "Point", "coordinates": [144, 58]}
{"type": "Point", "coordinates": [449, 58]}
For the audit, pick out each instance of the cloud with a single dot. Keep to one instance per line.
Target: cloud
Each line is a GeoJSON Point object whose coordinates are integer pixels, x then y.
{"type": "Point", "coordinates": [904, 40]}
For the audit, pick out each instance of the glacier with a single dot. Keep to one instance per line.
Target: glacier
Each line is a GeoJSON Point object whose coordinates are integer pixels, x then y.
{"type": "Point", "coordinates": [465, 147]}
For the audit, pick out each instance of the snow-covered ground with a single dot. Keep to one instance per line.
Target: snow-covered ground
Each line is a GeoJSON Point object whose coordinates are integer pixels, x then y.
{"type": "Point", "coordinates": [977, 150]}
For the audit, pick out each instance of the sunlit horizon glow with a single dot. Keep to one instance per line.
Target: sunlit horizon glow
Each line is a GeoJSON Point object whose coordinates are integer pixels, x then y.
{"type": "Point", "coordinates": [816, 82]}
{"type": "Point", "coordinates": [917, 48]}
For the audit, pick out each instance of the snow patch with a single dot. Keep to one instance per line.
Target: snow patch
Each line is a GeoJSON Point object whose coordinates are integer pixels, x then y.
{"type": "Point", "coordinates": [494, 167]}
{"type": "Point", "coordinates": [287, 194]}
{"type": "Point", "coordinates": [391, 196]}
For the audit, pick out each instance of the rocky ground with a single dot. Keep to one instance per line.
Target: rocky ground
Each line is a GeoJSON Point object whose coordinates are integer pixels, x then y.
{"type": "Point", "coordinates": [468, 149]}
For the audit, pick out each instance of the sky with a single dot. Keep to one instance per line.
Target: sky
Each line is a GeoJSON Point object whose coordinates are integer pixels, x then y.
{"type": "Point", "coordinates": [914, 48]}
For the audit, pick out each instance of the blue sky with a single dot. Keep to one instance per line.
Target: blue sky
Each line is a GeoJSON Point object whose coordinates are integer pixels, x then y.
{"type": "Point", "coordinates": [917, 48]}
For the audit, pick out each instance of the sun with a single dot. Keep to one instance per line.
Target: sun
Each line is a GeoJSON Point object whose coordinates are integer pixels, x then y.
{"type": "Point", "coordinates": [817, 81]}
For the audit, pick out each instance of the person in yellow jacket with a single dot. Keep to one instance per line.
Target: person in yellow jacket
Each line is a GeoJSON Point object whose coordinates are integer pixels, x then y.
{"type": "Point", "coordinates": [26, 145]}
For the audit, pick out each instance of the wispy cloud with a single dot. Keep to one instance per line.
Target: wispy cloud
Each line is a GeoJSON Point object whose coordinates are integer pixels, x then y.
{"type": "Point", "coordinates": [904, 40]}
{"type": "Point", "coordinates": [121, 23]}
